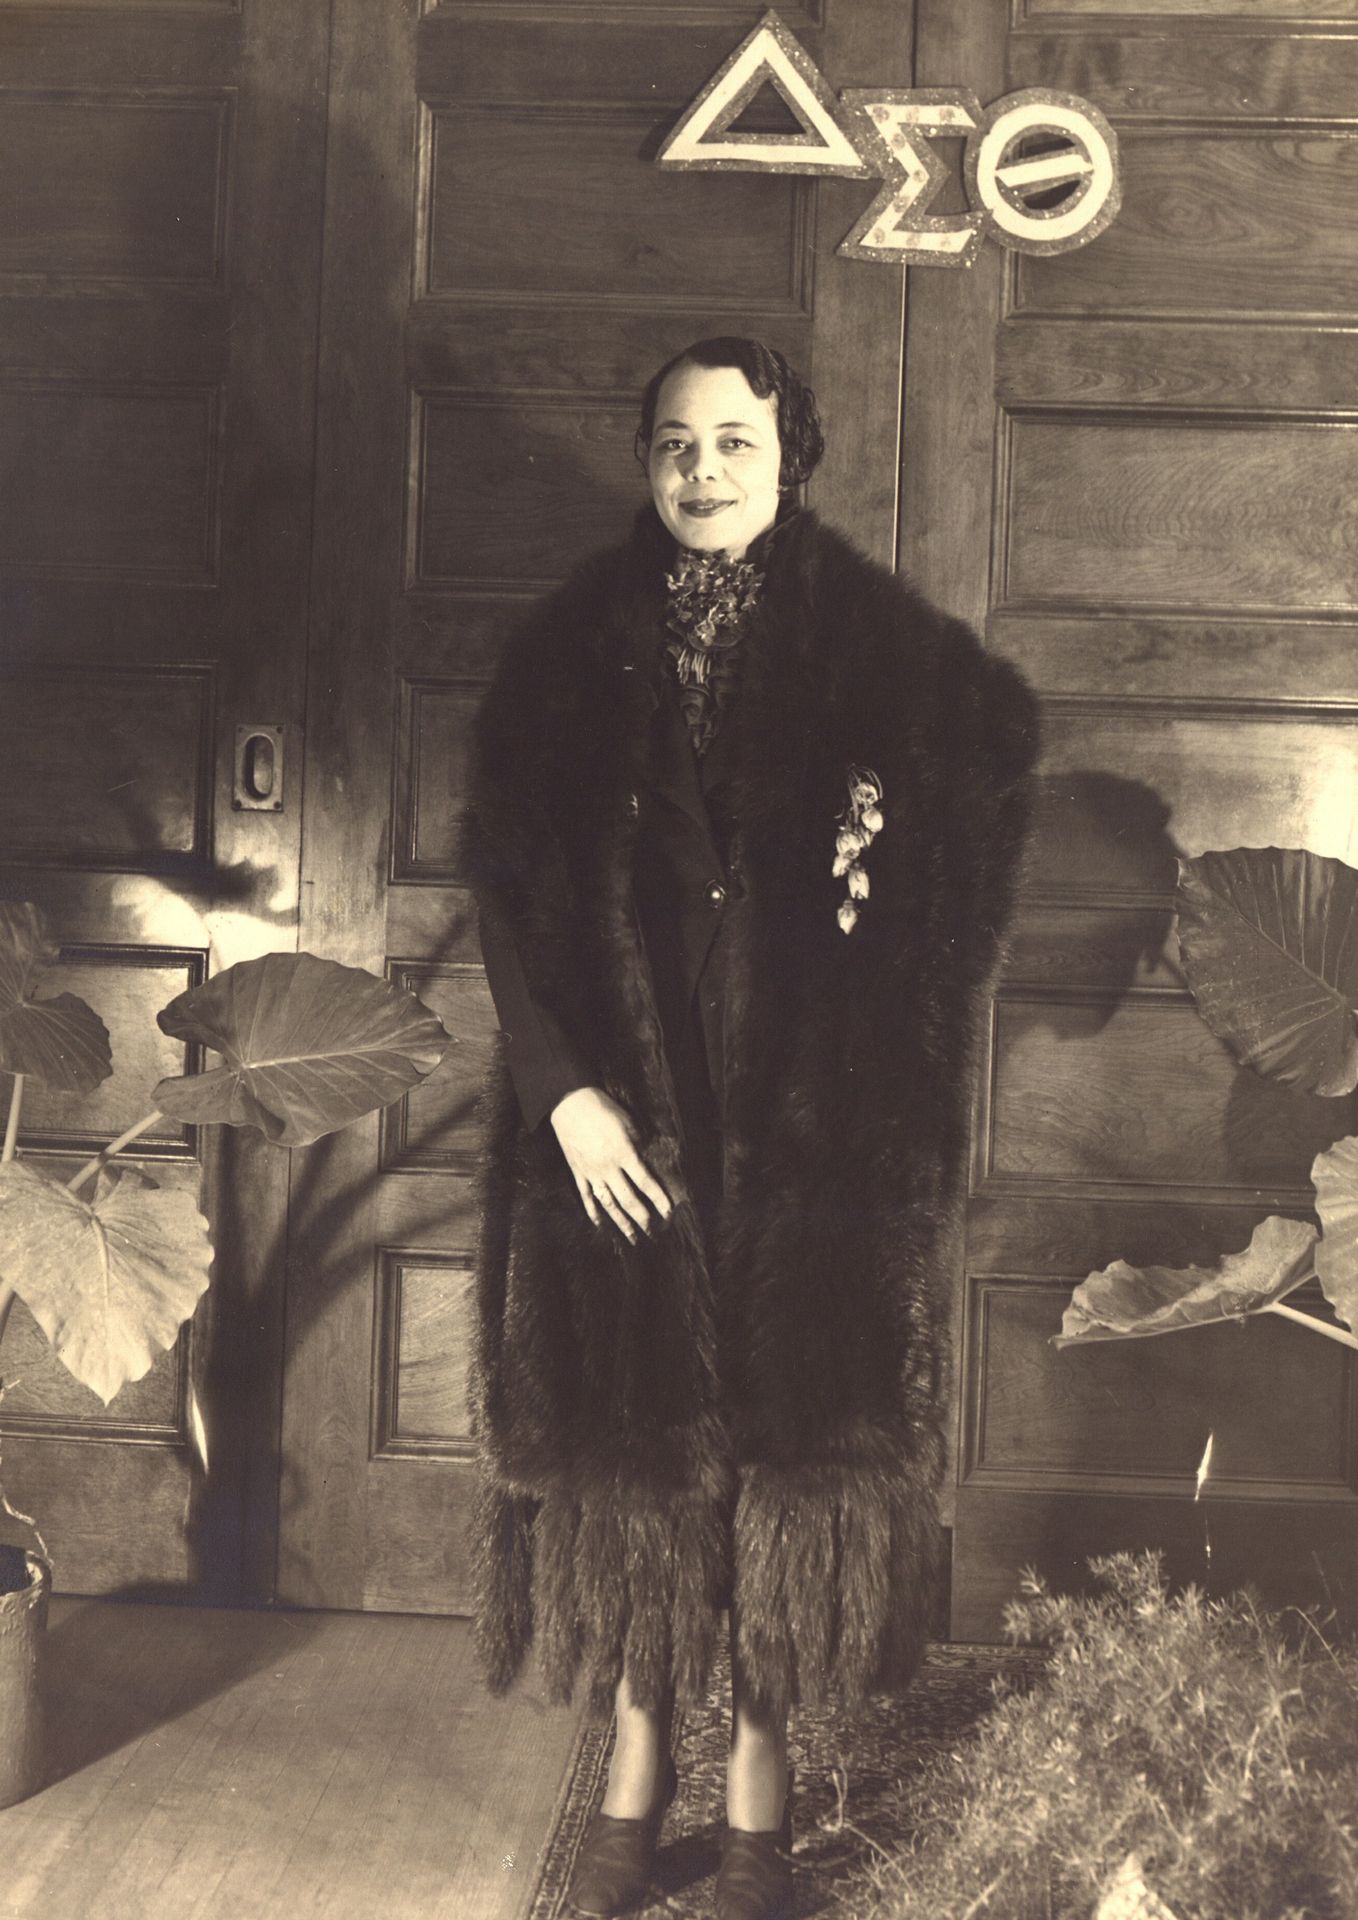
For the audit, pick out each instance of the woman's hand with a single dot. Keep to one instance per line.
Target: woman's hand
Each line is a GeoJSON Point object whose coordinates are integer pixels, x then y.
{"type": "Point", "coordinates": [599, 1142]}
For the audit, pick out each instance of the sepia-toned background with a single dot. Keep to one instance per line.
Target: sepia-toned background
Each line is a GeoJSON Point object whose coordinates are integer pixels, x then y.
{"type": "Point", "coordinates": [321, 329]}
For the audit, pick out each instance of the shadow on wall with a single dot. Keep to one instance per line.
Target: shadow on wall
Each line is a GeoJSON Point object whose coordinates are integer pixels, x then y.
{"type": "Point", "coordinates": [1105, 836]}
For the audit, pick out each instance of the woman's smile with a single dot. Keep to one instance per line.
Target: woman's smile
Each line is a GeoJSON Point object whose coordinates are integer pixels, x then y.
{"type": "Point", "coordinates": [714, 459]}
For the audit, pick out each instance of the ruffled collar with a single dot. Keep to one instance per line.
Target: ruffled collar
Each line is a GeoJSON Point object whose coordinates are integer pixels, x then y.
{"type": "Point", "coordinates": [707, 612]}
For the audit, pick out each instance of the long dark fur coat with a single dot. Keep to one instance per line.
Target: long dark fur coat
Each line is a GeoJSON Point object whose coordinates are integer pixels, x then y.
{"type": "Point", "coordinates": [662, 1433]}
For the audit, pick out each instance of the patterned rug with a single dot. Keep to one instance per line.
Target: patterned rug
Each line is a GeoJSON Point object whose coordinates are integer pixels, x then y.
{"type": "Point", "coordinates": [852, 1794]}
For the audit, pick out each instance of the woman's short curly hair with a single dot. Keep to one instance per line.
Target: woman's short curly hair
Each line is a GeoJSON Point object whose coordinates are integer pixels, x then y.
{"type": "Point", "coordinates": [800, 440]}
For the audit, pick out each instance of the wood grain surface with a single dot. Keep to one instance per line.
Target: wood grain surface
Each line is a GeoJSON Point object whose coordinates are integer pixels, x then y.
{"type": "Point", "coordinates": [1133, 462]}
{"type": "Point", "coordinates": [159, 251]}
{"type": "Point", "coordinates": [1183, 514]}
{"type": "Point", "coordinates": [1216, 220]}
{"type": "Point", "coordinates": [263, 1765]}
{"type": "Point", "coordinates": [1126, 1416]}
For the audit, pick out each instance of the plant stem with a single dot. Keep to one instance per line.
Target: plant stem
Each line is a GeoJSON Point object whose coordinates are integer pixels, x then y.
{"type": "Point", "coordinates": [1341, 1334]}
{"type": "Point", "coordinates": [16, 1101]}
{"type": "Point", "coordinates": [107, 1153]}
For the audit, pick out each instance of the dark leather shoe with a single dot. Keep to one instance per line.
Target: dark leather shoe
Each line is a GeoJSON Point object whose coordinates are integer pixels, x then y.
{"type": "Point", "coordinates": [754, 1881]}
{"type": "Point", "coordinates": [613, 1868]}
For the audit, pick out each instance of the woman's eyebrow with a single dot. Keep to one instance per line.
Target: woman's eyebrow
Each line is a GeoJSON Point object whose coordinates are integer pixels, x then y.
{"type": "Point", "coordinates": [722, 425]}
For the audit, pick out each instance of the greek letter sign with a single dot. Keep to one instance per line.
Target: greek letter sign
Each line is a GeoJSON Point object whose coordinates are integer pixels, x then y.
{"type": "Point", "coordinates": [1040, 167]}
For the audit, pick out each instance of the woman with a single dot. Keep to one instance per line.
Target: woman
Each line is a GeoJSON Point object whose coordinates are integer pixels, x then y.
{"type": "Point", "coordinates": [745, 818]}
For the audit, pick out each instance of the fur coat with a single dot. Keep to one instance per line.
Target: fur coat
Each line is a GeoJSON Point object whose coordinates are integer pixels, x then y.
{"type": "Point", "coordinates": [670, 1428]}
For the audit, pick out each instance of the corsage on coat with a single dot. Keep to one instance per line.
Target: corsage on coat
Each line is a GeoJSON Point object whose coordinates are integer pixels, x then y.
{"type": "Point", "coordinates": [669, 1428]}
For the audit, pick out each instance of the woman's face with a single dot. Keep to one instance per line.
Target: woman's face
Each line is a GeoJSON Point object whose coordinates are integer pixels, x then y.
{"type": "Point", "coordinates": [714, 459]}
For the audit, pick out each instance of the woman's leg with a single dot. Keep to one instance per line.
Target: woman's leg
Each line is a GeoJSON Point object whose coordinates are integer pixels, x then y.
{"type": "Point", "coordinates": [613, 1867]}
{"type": "Point", "coordinates": [756, 1774]}
{"type": "Point", "coordinates": [641, 1752]}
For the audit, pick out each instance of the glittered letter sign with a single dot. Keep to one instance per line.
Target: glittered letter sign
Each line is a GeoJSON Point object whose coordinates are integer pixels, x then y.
{"type": "Point", "coordinates": [1041, 167]}
{"type": "Point", "coordinates": [770, 56]}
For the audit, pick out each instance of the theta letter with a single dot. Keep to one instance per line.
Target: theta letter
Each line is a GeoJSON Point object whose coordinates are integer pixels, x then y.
{"type": "Point", "coordinates": [1069, 144]}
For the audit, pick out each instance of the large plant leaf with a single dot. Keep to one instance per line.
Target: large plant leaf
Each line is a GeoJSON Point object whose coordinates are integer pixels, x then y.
{"type": "Point", "coordinates": [1335, 1173]}
{"type": "Point", "coordinates": [1123, 1302]}
{"type": "Point", "coordinates": [110, 1282]}
{"type": "Point", "coordinates": [1270, 946]}
{"type": "Point", "coordinates": [310, 1045]}
{"type": "Point", "coordinates": [60, 1041]}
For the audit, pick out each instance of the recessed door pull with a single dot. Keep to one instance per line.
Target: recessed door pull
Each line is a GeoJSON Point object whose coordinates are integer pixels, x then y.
{"type": "Point", "coordinates": [258, 782]}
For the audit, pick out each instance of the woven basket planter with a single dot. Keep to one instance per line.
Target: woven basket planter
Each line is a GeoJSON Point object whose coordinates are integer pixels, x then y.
{"type": "Point", "coordinates": [25, 1582]}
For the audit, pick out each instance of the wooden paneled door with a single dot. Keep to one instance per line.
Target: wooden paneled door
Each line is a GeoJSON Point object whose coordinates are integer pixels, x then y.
{"type": "Point", "coordinates": [159, 255]}
{"type": "Point", "coordinates": [504, 266]}
{"type": "Point", "coordinates": [1137, 465]}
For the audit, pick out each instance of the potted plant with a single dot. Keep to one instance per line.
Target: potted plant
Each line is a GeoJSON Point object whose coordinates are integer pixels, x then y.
{"type": "Point", "coordinates": [111, 1264]}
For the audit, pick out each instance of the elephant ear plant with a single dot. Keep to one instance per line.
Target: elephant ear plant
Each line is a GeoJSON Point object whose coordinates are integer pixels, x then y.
{"type": "Point", "coordinates": [1269, 944]}
{"type": "Point", "coordinates": [110, 1264]}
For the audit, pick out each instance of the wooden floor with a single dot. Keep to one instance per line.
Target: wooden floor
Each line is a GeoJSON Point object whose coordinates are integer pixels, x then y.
{"type": "Point", "coordinates": [210, 1764]}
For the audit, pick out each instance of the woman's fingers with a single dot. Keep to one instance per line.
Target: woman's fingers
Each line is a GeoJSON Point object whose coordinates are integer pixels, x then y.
{"type": "Point", "coordinates": [645, 1181]}
{"type": "Point", "coordinates": [608, 1201]}
{"type": "Point", "coordinates": [598, 1140]}
{"type": "Point", "coordinates": [616, 1196]}
{"type": "Point", "coordinates": [631, 1201]}
{"type": "Point", "coordinates": [587, 1201]}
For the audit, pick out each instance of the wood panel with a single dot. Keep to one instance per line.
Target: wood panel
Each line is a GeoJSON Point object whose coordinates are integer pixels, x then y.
{"type": "Point", "coordinates": [127, 989]}
{"type": "Point", "coordinates": [1293, 1552]}
{"type": "Point", "coordinates": [1080, 946]}
{"type": "Point", "coordinates": [159, 253]}
{"type": "Point", "coordinates": [1226, 70]}
{"type": "Point", "coordinates": [1240, 514]}
{"type": "Point", "coordinates": [1101, 1091]}
{"type": "Point", "coordinates": [117, 485]}
{"type": "Point", "coordinates": [1126, 1416]}
{"type": "Point", "coordinates": [1049, 1234]}
{"type": "Point", "coordinates": [1092, 654]}
{"type": "Point", "coordinates": [1122, 790]}
{"type": "Point", "coordinates": [109, 189]}
{"type": "Point", "coordinates": [424, 1326]}
{"type": "Point", "coordinates": [1204, 11]}
{"type": "Point", "coordinates": [42, 1398]}
{"type": "Point", "coordinates": [111, 766]}
{"type": "Point", "coordinates": [1132, 464]}
{"type": "Point", "coordinates": [1214, 221]}
{"type": "Point", "coordinates": [436, 1127]}
{"type": "Point", "coordinates": [503, 194]}
{"type": "Point", "coordinates": [797, 14]}
{"type": "Point", "coordinates": [170, 7]}
{"type": "Point", "coordinates": [489, 470]}
{"type": "Point", "coordinates": [595, 53]}
{"type": "Point", "coordinates": [432, 749]}
{"type": "Point", "coordinates": [1189, 365]}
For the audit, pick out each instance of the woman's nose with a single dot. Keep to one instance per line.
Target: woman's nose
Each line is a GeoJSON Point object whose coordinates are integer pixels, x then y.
{"type": "Point", "coordinates": [700, 463]}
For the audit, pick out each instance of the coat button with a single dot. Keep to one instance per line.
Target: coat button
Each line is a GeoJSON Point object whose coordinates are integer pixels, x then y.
{"type": "Point", "coordinates": [631, 806]}
{"type": "Point", "coordinates": [716, 897]}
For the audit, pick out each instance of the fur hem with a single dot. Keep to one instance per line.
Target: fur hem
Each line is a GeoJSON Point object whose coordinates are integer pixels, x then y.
{"type": "Point", "coordinates": [612, 1577]}
{"type": "Point", "coordinates": [501, 1542]}
{"type": "Point", "coordinates": [836, 1573]}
